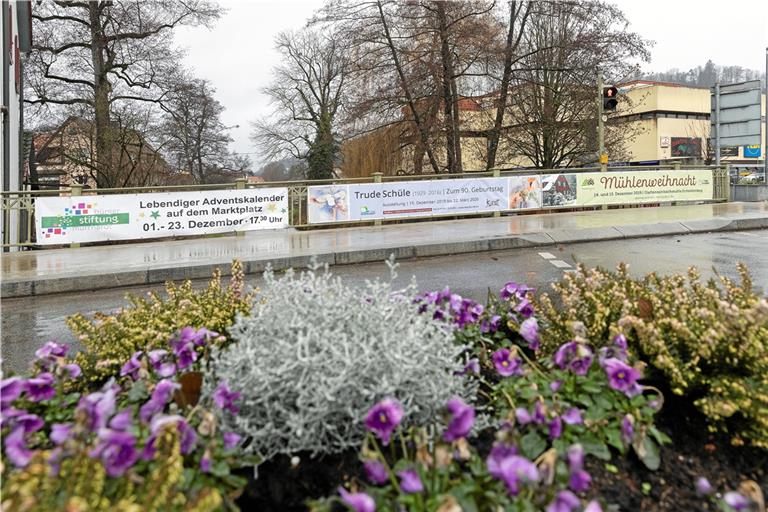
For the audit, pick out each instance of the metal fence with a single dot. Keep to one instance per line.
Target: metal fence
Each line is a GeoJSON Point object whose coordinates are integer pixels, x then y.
{"type": "Point", "coordinates": [18, 207]}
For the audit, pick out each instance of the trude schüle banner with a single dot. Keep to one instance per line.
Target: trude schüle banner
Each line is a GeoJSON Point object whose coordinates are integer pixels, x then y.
{"type": "Point", "coordinates": [63, 220]}
{"type": "Point", "coordinates": [596, 188]}
{"type": "Point", "coordinates": [402, 199]}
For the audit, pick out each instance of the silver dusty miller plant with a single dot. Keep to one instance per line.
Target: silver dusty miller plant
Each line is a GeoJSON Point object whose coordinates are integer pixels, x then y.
{"type": "Point", "coordinates": [316, 355]}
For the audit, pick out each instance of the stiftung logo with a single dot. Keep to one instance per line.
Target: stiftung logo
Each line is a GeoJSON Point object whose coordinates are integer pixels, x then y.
{"type": "Point", "coordinates": [364, 210]}
{"type": "Point", "coordinates": [588, 182]}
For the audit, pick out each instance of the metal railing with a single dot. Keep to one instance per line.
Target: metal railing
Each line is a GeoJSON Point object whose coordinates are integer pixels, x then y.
{"type": "Point", "coordinates": [18, 207]}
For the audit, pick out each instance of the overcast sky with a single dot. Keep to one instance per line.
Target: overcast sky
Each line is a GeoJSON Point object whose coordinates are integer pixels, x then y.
{"type": "Point", "coordinates": [238, 54]}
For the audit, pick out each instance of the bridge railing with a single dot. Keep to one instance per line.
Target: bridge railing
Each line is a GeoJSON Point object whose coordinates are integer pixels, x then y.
{"type": "Point", "coordinates": [18, 207]}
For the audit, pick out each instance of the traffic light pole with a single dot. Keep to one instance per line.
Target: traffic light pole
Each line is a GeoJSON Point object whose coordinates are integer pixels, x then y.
{"type": "Point", "coordinates": [602, 157]}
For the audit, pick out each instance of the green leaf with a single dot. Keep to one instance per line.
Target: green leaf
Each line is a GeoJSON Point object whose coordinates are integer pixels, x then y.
{"type": "Point", "coordinates": [595, 447]}
{"type": "Point", "coordinates": [659, 436]}
{"type": "Point", "coordinates": [532, 445]}
{"type": "Point", "coordinates": [613, 437]}
{"type": "Point", "coordinates": [220, 468]}
{"type": "Point", "coordinates": [138, 392]}
{"type": "Point", "coordinates": [648, 452]}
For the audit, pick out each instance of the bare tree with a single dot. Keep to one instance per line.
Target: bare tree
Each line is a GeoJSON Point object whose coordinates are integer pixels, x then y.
{"type": "Point", "coordinates": [307, 94]}
{"type": "Point", "coordinates": [552, 116]}
{"type": "Point", "coordinates": [99, 54]}
{"type": "Point", "coordinates": [196, 139]}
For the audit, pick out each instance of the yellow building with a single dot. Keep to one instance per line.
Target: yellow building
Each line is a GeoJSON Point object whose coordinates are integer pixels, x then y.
{"type": "Point", "coordinates": [674, 125]}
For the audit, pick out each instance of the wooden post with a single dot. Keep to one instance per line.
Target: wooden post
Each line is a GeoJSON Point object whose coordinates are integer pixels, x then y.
{"type": "Point", "coordinates": [497, 174]}
{"type": "Point", "coordinates": [75, 190]}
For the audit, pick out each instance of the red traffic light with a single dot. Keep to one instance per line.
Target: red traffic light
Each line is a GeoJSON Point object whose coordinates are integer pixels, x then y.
{"type": "Point", "coordinates": [609, 98]}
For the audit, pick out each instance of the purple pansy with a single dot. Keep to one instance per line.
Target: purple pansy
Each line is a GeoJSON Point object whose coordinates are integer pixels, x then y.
{"type": "Point", "coordinates": [52, 350]}
{"type": "Point", "coordinates": [10, 389]}
{"type": "Point", "coordinates": [164, 368]}
{"type": "Point", "coordinates": [575, 457]}
{"type": "Point", "coordinates": [117, 451]}
{"type": "Point", "coordinates": [30, 422]}
{"type": "Point", "coordinates": [376, 472]}
{"type": "Point", "coordinates": [555, 427]}
{"type": "Point", "coordinates": [539, 415]}
{"type": "Point", "coordinates": [573, 416]}
{"type": "Point", "coordinates": [60, 433]}
{"type": "Point", "coordinates": [593, 506]}
{"type": "Point", "coordinates": [621, 376]}
{"type": "Point", "coordinates": [472, 366]}
{"type": "Point", "coordinates": [703, 486]}
{"type": "Point", "coordinates": [565, 501]}
{"type": "Point", "coordinates": [490, 325]}
{"type": "Point", "coordinates": [525, 308]}
{"type": "Point", "coordinates": [383, 418]}
{"type": "Point", "coordinates": [499, 452]}
{"type": "Point", "coordinates": [224, 398]}
{"type": "Point", "coordinates": [522, 416]}
{"type": "Point", "coordinates": [627, 428]}
{"type": "Point", "coordinates": [462, 419]}
{"type": "Point", "coordinates": [358, 501]}
{"type": "Point", "coordinates": [579, 481]}
{"type": "Point", "coordinates": [231, 439]}
{"type": "Point", "coordinates": [16, 447]}
{"type": "Point", "coordinates": [555, 385]}
{"type": "Point", "coordinates": [736, 501]}
{"type": "Point", "coordinates": [514, 470]}
{"type": "Point", "coordinates": [575, 357]}
{"type": "Point", "coordinates": [121, 420]}
{"type": "Point", "coordinates": [529, 330]}
{"type": "Point", "coordinates": [99, 407]}
{"type": "Point", "coordinates": [205, 462]}
{"type": "Point", "coordinates": [132, 366]}
{"type": "Point", "coordinates": [73, 370]}
{"type": "Point", "coordinates": [160, 396]}
{"type": "Point", "coordinates": [505, 364]}
{"type": "Point", "coordinates": [410, 482]}
{"type": "Point", "coordinates": [40, 388]}
{"type": "Point", "coordinates": [187, 435]}
{"type": "Point", "coordinates": [512, 289]}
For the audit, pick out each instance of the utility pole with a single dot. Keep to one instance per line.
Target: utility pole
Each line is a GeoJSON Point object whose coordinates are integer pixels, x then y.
{"type": "Point", "coordinates": [765, 128]}
{"type": "Point", "coordinates": [717, 124]}
{"type": "Point", "coordinates": [602, 157]}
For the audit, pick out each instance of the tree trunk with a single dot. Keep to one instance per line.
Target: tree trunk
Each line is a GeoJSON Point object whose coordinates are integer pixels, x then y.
{"type": "Point", "coordinates": [450, 99]}
{"type": "Point", "coordinates": [511, 45]}
{"type": "Point", "coordinates": [423, 135]}
{"type": "Point", "coordinates": [102, 126]}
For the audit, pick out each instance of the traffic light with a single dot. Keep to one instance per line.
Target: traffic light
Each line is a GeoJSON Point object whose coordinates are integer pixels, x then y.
{"type": "Point", "coordinates": [610, 98]}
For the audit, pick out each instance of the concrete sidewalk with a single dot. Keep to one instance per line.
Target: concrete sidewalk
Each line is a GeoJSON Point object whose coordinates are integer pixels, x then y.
{"type": "Point", "coordinates": [88, 268]}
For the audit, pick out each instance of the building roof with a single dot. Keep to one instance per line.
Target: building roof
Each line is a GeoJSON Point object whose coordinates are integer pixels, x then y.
{"type": "Point", "coordinates": [655, 82]}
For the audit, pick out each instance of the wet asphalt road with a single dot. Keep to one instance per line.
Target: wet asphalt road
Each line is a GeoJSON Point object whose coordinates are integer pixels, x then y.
{"type": "Point", "coordinates": [27, 323]}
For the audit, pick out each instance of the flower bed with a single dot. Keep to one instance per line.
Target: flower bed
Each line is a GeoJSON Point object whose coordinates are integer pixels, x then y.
{"type": "Point", "coordinates": [384, 399]}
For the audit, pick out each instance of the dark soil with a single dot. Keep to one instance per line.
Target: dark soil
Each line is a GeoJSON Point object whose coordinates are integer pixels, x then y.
{"type": "Point", "coordinates": [693, 452]}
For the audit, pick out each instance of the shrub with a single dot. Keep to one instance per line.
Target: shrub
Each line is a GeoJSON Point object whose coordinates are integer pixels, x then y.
{"type": "Point", "coordinates": [709, 341]}
{"type": "Point", "coordinates": [110, 339]}
{"type": "Point", "coordinates": [314, 355]}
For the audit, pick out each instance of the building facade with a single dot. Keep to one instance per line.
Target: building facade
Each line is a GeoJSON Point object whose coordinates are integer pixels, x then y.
{"type": "Point", "coordinates": [16, 36]}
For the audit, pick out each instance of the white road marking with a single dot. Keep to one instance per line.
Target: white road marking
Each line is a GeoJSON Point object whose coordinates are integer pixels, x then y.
{"type": "Point", "coordinates": [560, 263]}
{"type": "Point", "coordinates": [547, 255]}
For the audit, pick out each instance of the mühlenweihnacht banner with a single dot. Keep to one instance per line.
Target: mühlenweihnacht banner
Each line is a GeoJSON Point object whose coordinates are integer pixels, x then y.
{"type": "Point", "coordinates": [597, 188]}
{"type": "Point", "coordinates": [64, 220]}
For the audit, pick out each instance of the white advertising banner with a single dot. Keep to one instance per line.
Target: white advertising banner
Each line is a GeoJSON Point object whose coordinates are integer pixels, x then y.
{"type": "Point", "coordinates": [402, 199]}
{"type": "Point", "coordinates": [64, 220]}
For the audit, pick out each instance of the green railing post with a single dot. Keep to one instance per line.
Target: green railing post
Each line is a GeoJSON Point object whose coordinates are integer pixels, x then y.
{"type": "Point", "coordinates": [75, 189]}
{"type": "Point", "coordinates": [497, 174]}
{"type": "Point", "coordinates": [240, 185]}
{"type": "Point", "coordinates": [377, 179]}
{"type": "Point", "coordinates": [726, 184]}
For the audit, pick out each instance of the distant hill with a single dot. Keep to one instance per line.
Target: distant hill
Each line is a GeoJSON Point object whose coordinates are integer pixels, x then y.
{"type": "Point", "coordinates": [707, 75]}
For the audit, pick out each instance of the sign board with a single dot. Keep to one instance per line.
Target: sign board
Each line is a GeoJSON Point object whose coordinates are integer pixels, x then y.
{"type": "Point", "coordinates": [402, 199]}
{"type": "Point", "coordinates": [752, 151]}
{"type": "Point", "coordinates": [738, 114]}
{"type": "Point", "coordinates": [664, 142]}
{"type": "Point", "coordinates": [729, 151]}
{"type": "Point", "coordinates": [64, 220]}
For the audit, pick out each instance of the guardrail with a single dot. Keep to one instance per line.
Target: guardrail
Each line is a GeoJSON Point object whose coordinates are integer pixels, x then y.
{"type": "Point", "coordinates": [18, 207]}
